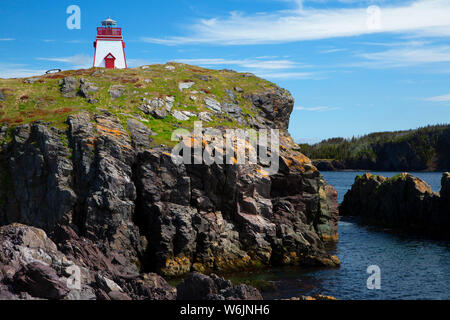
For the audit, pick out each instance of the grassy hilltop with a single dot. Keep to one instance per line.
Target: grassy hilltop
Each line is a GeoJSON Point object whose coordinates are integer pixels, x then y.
{"type": "Point", "coordinates": [40, 98]}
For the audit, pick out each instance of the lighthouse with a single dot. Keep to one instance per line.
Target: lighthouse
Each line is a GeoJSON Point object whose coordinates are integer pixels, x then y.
{"type": "Point", "coordinates": [109, 46]}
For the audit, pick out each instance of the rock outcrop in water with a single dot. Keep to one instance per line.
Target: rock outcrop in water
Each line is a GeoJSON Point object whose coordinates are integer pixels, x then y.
{"type": "Point", "coordinates": [423, 149]}
{"type": "Point", "coordinates": [403, 202]}
{"type": "Point", "coordinates": [114, 204]}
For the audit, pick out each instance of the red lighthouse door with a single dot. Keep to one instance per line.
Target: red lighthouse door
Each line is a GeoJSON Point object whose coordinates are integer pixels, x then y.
{"type": "Point", "coordinates": [109, 61]}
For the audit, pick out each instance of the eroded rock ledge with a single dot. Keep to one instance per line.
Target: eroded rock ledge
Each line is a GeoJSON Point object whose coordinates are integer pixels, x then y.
{"type": "Point", "coordinates": [403, 202]}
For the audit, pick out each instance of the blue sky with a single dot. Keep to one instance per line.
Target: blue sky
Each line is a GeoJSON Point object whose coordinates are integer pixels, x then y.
{"type": "Point", "coordinates": [353, 67]}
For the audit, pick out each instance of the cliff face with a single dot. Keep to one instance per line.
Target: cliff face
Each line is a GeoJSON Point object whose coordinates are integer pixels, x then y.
{"type": "Point", "coordinates": [402, 202]}
{"type": "Point", "coordinates": [103, 186]}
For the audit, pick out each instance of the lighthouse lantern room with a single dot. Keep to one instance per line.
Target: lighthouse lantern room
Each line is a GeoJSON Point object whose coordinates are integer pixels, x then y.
{"type": "Point", "coordinates": [109, 46]}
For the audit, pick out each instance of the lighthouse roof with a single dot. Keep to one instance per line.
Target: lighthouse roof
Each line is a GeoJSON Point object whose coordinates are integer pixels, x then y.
{"type": "Point", "coordinates": [109, 22]}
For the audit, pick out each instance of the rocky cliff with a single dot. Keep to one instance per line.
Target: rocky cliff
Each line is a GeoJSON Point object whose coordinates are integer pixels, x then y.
{"type": "Point", "coordinates": [86, 159]}
{"type": "Point", "coordinates": [403, 203]}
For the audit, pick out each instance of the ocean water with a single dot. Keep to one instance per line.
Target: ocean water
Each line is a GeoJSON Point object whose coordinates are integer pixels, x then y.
{"type": "Point", "coordinates": [411, 268]}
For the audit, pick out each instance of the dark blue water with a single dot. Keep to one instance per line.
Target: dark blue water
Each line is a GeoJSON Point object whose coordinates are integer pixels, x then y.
{"type": "Point", "coordinates": [411, 268]}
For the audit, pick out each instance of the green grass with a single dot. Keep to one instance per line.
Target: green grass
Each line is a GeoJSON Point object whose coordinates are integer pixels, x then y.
{"type": "Point", "coordinates": [42, 100]}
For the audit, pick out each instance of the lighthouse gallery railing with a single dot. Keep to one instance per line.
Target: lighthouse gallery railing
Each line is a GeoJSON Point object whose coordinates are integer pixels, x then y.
{"type": "Point", "coordinates": [109, 31]}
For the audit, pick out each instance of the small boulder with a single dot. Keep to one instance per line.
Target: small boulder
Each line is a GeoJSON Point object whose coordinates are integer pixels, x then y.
{"type": "Point", "coordinates": [230, 94]}
{"type": "Point", "coordinates": [170, 100]}
{"type": "Point", "coordinates": [69, 87]}
{"type": "Point", "coordinates": [116, 91]}
{"type": "Point", "coordinates": [213, 105]}
{"type": "Point", "coordinates": [40, 280]}
{"type": "Point", "coordinates": [107, 285]}
{"type": "Point", "coordinates": [140, 133]}
{"type": "Point", "coordinates": [205, 116]}
{"type": "Point", "coordinates": [180, 115]}
{"type": "Point", "coordinates": [185, 85]}
{"type": "Point", "coordinates": [198, 286]}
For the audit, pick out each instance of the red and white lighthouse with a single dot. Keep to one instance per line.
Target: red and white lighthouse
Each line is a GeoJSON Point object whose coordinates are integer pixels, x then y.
{"type": "Point", "coordinates": [109, 46]}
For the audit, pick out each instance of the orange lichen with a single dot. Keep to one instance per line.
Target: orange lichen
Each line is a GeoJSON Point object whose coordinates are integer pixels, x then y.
{"type": "Point", "coordinates": [105, 130]}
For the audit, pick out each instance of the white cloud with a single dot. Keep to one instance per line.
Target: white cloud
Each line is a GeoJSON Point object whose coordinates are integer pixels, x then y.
{"type": "Point", "coordinates": [419, 17]}
{"type": "Point", "coordinates": [18, 71]}
{"type": "Point", "coordinates": [443, 98]}
{"type": "Point", "coordinates": [269, 69]}
{"type": "Point", "coordinates": [133, 63]}
{"type": "Point", "coordinates": [257, 63]}
{"type": "Point", "coordinates": [79, 61]}
{"type": "Point", "coordinates": [409, 56]}
{"type": "Point", "coordinates": [7, 39]}
{"type": "Point", "coordinates": [289, 75]}
{"type": "Point", "coordinates": [332, 50]}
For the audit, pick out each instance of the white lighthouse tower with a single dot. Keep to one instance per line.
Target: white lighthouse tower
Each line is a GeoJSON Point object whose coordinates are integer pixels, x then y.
{"type": "Point", "coordinates": [109, 46]}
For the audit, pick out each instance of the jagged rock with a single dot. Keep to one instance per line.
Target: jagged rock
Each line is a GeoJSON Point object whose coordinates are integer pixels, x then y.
{"type": "Point", "coordinates": [21, 245]}
{"type": "Point", "coordinates": [104, 156]}
{"type": "Point", "coordinates": [233, 110]}
{"type": "Point", "coordinates": [31, 263]}
{"type": "Point", "coordinates": [107, 285]}
{"type": "Point", "coordinates": [41, 281]}
{"type": "Point", "coordinates": [40, 193]}
{"type": "Point", "coordinates": [205, 116]}
{"type": "Point", "coordinates": [170, 100]}
{"type": "Point", "coordinates": [179, 115]}
{"type": "Point", "coordinates": [6, 293]}
{"type": "Point", "coordinates": [230, 94]}
{"type": "Point", "coordinates": [257, 219]}
{"type": "Point", "coordinates": [402, 202]}
{"type": "Point", "coordinates": [86, 88]}
{"type": "Point", "coordinates": [147, 286]}
{"type": "Point", "coordinates": [117, 295]}
{"type": "Point", "coordinates": [201, 287]}
{"type": "Point", "coordinates": [116, 91]}
{"type": "Point", "coordinates": [140, 133]}
{"type": "Point", "coordinates": [185, 85]}
{"type": "Point", "coordinates": [203, 77]}
{"type": "Point", "coordinates": [97, 73]}
{"type": "Point", "coordinates": [445, 182]}
{"type": "Point", "coordinates": [156, 103]}
{"type": "Point", "coordinates": [238, 89]}
{"type": "Point", "coordinates": [269, 102]}
{"type": "Point", "coordinates": [69, 87]}
{"type": "Point", "coordinates": [118, 208]}
{"type": "Point", "coordinates": [158, 108]}
{"type": "Point", "coordinates": [3, 131]}
{"type": "Point", "coordinates": [213, 104]}
{"type": "Point", "coordinates": [31, 80]}
{"type": "Point", "coordinates": [85, 252]}
{"type": "Point", "coordinates": [86, 293]}
{"type": "Point", "coordinates": [159, 113]}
